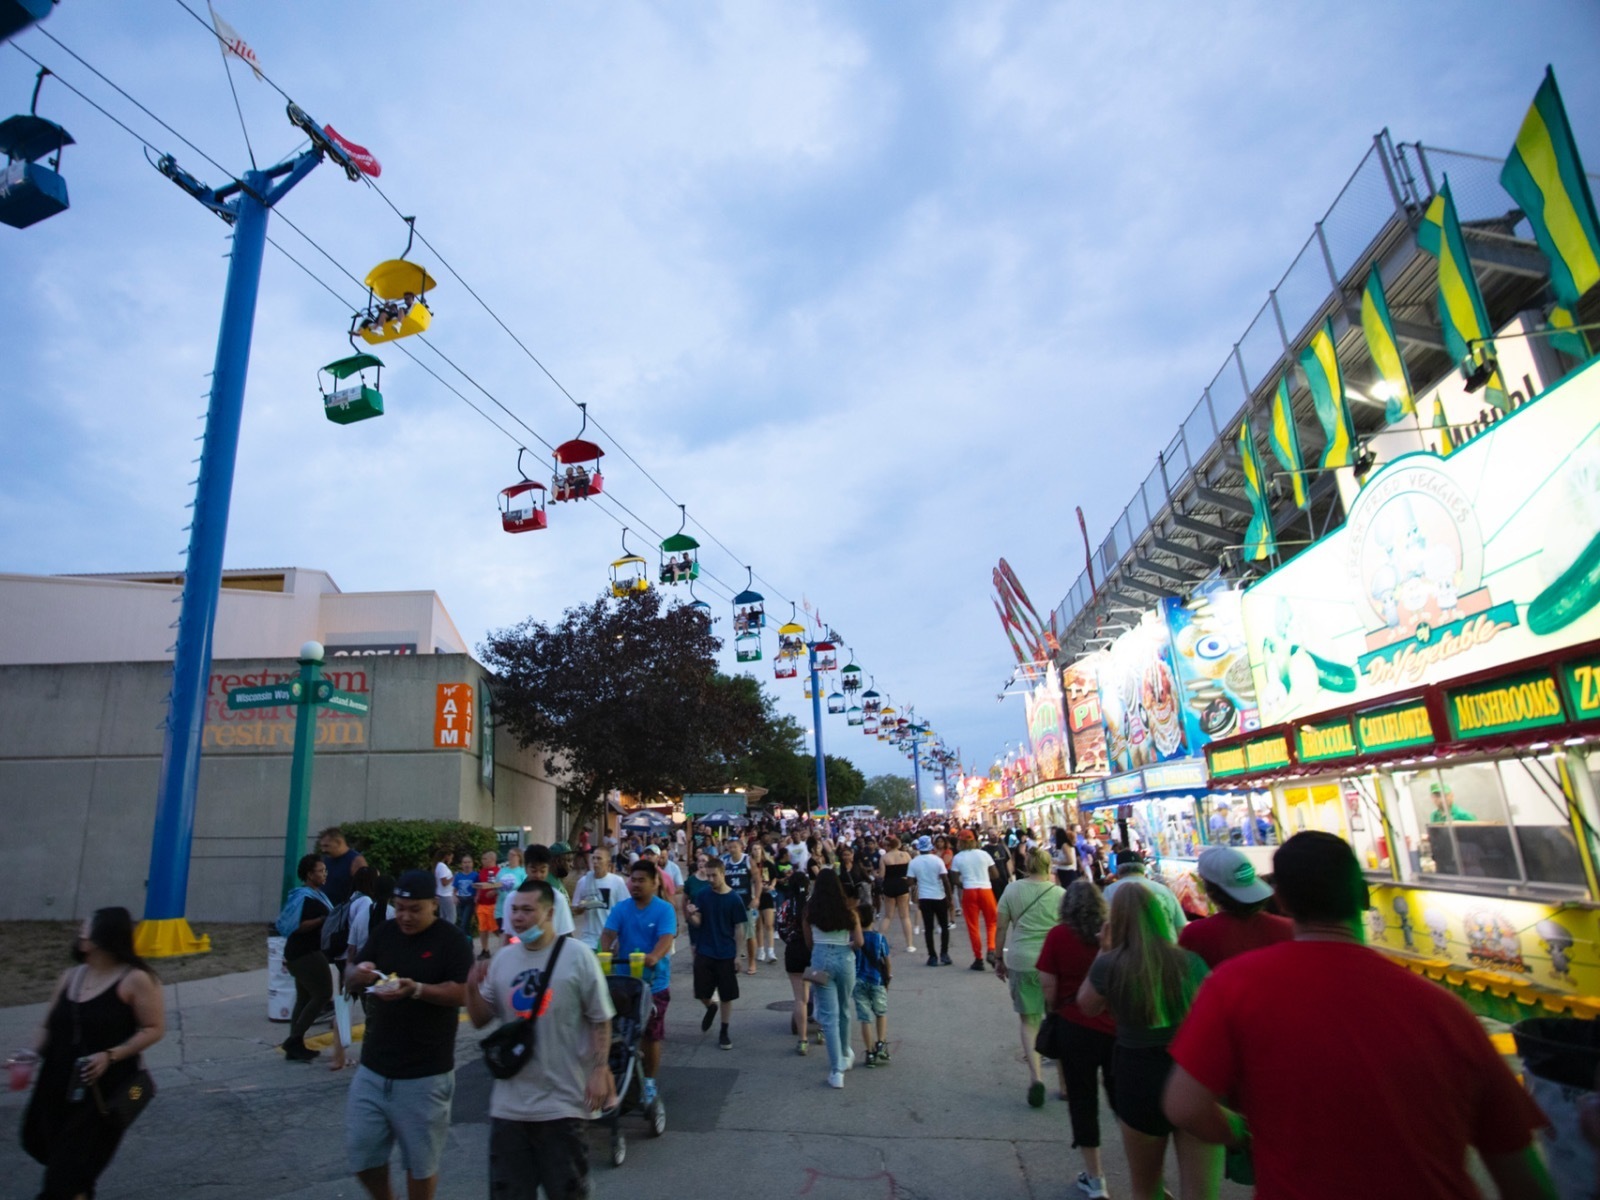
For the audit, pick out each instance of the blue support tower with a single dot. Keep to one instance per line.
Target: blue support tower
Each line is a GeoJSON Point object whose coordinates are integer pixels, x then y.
{"type": "Point", "coordinates": [245, 203]}
{"type": "Point", "coordinates": [816, 724]}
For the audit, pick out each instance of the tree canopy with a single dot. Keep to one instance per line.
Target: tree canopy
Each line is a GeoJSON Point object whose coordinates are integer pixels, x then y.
{"type": "Point", "coordinates": [891, 795]}
{"type": "Point", "coordinates": [625, 694]}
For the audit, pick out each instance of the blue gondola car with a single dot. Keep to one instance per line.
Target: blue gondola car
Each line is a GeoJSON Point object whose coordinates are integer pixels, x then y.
{"type": "Point", "coordinates": [30, 191]}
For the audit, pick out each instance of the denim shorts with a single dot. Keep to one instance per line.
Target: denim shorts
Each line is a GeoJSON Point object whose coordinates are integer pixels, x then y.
{"type": "Point", "coordinates": [872, 1000]}
{"type": "Point", "coordinates": [414, 1112]}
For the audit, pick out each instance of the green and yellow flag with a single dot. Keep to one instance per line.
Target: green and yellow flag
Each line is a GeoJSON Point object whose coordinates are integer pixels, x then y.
{"type": "Point", "coordinates": [1258, 539]}
{"type": "Point", "coordinates": [1284, 439]}
{"type": "Point", "coordinates": [1565, 337]}
{"type": "Point", "coordinates": [1545, 177]}
{"type": "Point", "coordinates": [1378, 326]}
{"type": "Point", "coordinates": [1462, 314]}
{"type": "Point", "coordinates": [1319, 362]}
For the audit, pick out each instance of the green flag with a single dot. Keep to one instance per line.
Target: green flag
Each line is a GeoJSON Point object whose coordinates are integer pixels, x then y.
{"type": "Point", "coordinates": [1462, 314]}
{"type": "Point", "coordinates": [1565, 337]}
{"type": "Point", "coordinates": [1258, 539]}
{"type": "Point", "coordinates": [1319, 362]}
{"type": "Point", "coordinates": [1285, 441]}
{"type": "Point", "coordinates": [1545, 177]}
{"type": "Point", "coordinates": [1378, 326]}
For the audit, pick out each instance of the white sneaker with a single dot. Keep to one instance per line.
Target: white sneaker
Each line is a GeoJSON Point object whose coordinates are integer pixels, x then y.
{"type": "Point", "coordinates": [835, 1080]}
{"type": "Point", "coordinates": [1093, 1187]}
{"type": "Point", "coordinates": [849, 1060]}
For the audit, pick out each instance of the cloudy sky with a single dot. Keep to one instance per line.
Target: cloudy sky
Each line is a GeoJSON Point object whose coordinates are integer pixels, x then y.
{"type": "Point", "coordinates": [879, 290]}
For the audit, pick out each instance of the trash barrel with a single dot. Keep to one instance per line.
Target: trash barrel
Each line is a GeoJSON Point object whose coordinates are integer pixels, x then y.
{"type": "Point", "coordinates": [1560, 1056]}
{"type": "Point", "coordinates": [280, 984]}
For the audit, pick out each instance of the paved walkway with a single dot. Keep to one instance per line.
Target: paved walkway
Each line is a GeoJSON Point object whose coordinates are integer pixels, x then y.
{"type": "Point", "coordinates": [948, 1121]}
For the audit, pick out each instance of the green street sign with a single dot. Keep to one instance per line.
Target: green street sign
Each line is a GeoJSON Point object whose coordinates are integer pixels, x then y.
{"type": "Point", "coordinates": [343, 701]}
{"type": "Point", "coordinates": [276, 695]}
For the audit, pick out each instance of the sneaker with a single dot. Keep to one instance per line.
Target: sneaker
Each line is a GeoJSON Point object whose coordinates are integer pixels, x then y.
{"type": "Point", "coordinates": [911, 949]}
{"type": "Point", "coordinates": [849, 1060]}
{"type": "Point", "coordinates": [977, 965]}
{"type": "Point", "coordinates": [933, 960]}
{"type": "Point", "coordinates": [1036, 1095]}
{"type": "Point", "coordinates": [483, 955]}
{"type": "Point", "coordinates": [882, 1051]}
{"type": "Point", "coordinates": [835, 1080]}
{"type": "Point", "coordinates": [872, 1059]}
{"type": "Point", "coordinates": [803, 1048]}
{"type": "Point", "coordinates": [705, 1021]}
{"type": "Point", "coordinates": [298, 1051]}
{"type": "Point", "coordinates": [1093, 1187]}
{"type": "Point", "coordinates": [724, 1042]}
{"type": "Point", "coordinates": [944, 960]}
{"type": "Point", "coordinates": [647, 1093]}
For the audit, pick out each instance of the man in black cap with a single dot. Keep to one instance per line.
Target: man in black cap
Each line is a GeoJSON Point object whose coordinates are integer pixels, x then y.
{"type": "Point", "coordinates": [1328, 1051]}
{"type": "Point", "coordinates": [416, 967]}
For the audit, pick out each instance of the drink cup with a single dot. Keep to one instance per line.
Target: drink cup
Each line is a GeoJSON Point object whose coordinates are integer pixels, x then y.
{"type": "Point", "coordinates": [636, 964]}
{"type": "Point", "coordinates": [20, 1072]}
{"type": "Point", "coordinates": [605, 962]}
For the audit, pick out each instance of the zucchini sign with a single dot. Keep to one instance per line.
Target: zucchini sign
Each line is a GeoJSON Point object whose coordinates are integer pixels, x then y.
{"type": "Point", "coordinates": [1446, 568]}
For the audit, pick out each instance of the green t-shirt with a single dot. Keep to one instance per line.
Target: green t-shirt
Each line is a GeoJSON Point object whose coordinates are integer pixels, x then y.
{"type": "Point", "coordinates": [1030, 909]}
{"type": "Point", "coordinates": [1131, 1033]}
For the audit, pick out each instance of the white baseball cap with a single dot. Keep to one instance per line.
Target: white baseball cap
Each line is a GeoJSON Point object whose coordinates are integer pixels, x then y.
{"type": "Point", "coordinates": [1231, 871]}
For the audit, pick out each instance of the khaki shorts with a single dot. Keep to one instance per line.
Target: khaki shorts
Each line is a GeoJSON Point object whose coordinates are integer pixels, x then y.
{"type": "Point", "coordinates": [1027, 994]}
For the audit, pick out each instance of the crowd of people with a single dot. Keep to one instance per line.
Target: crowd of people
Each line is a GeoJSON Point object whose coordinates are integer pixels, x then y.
{"type": "Point", "coordinates": [1242, 1038]}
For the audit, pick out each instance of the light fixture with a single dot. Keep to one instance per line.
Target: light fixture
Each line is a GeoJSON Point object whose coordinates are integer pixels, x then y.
{"type": "Point", "coordinates": [1482, 371]}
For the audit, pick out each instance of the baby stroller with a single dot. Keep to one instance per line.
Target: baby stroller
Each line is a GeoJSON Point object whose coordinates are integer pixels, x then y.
{"type": "Point", "coordinates": [631, 998]}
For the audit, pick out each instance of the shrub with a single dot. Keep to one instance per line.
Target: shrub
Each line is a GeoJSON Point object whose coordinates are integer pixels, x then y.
{"type": "Point", "coordinates": [393, 846]}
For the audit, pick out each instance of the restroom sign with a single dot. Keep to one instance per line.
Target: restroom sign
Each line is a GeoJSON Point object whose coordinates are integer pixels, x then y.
{"type": "Point", "coordinates": [453, 716]}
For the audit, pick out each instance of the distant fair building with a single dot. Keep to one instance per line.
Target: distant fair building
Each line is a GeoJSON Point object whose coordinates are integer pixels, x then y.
{"type": "Point", "coordinates": [85, 667]}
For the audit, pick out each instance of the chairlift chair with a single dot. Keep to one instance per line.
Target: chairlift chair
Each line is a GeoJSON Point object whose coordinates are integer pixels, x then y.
{"type": "Point", "coordinates": [630, 574]}
{"type": "Point", "coordinates": [869, 726]}
{"type": "Point", "coordinates": [674, 569]}
{"type": "Point", "coordinates": [522, 504]}
{"type": "Point", "coordinates": [853, 715]}
{"type": "Point", "coordinates": [749, 606]}
{"type": "Point", "coordinates": [353, 402]}
{"type": "Point", "coordinates": [747, 647]}
{"type": "Point", "coordinates": [784, 666]}
{"type": "Point", "coordinates": [850, 679]}
{"type": "Point", "coordinates": [395, 306]}
{"type": "Point", "coordinates": [827, 657]}
{"type": "Point", "coordinates": [835, 702]}
{"type": "Point", "coordinates": [29, 192]}
{"type": "Point", "coordinates": [578, 481]}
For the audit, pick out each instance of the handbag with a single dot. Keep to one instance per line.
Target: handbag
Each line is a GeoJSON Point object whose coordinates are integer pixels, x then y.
{"type": "Point", "coordinates": [1049, 1041]}
{"type": "Point", "coordinates": [124, 1102]}
{"type": "Point", "coordinates": [510, 1048]}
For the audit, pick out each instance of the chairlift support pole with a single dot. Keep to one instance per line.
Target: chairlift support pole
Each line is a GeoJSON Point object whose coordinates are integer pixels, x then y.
{"type": "Point", "coordinates": [816, 728]}
{"type": "Point", "coordinates": [165, 931]}
{"type": "Point", "coordinates": [916, 764]}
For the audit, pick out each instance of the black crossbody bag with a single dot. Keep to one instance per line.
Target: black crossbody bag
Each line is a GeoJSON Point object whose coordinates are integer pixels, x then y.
{"type": "Point", "coordinates": [510, 1048]}
{"type": "Point", "coordinates": [124, 1102]}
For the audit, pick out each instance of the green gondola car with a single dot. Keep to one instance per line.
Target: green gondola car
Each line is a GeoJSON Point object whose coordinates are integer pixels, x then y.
{"type": "Point", "coordinates": [356, 401]}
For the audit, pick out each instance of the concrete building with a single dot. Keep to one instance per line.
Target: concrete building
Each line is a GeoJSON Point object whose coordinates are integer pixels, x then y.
{"type": "Point", "coordinates": [84, 676]}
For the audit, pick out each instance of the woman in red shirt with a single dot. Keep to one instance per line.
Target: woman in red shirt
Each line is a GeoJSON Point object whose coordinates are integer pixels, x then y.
{"type": "Point", "coordinates": [1086, 1041]}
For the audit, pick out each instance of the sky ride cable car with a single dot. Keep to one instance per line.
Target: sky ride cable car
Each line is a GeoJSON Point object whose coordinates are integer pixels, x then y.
{"type": "Point", "coordinates": [356, 401]}
{"type": "Point", "coordinates": [871, 702]}
{"type": "Point", "coordinates": [699, 605]}
{"type": "Point", "coordinates": [29, 193]}
{"type": "Point", "coordinates": [747, 646]}
{"type": "Point", "coordinates": [522, 504]}
{"type": "Point", "coordinates": [850, 678]}
{"type": "Point", "coordinates": [629, 574]}
{"type": "Point", "coordinates": [853, 715]}
{"type": "Point", "coordinates": [577, 481]}
{"type": "Point", "coordinates": [827, 657]}
{"type": "Point", "coordinates": [836, 702]}
{"type": "Point", "coordinates": [869, 726]}
{"type": "Point", "coordinates": [792, 636]}
{"type": "Point", "coordinates": [395, 308]}
{"type": "Point", "coordinates": [785, 666]}
{"type": "Point", "coordinates": [749, 607]}
{"type": "Point", "coordinates": [679, 561]}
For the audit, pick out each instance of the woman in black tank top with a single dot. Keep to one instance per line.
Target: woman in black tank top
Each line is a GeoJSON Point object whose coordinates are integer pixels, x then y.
{"type": "Point", "coordinates": [105, 1013]}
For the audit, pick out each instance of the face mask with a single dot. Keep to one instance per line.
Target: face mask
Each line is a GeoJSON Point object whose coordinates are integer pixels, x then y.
{"type": "Point", "coordinates": [78, 954]}
{"type": "Point", "coordinates": [560, 872]}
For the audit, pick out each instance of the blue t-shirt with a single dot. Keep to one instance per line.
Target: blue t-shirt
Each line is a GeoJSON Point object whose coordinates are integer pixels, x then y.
{"type": "Point", "coordinates": [869, 959]}
{"type": "Point", "coordinates": [719, 915]}
{"type": "Point", "coordinates": [464, 882]}
{"type": "Point", "coordinates": [639, 929]}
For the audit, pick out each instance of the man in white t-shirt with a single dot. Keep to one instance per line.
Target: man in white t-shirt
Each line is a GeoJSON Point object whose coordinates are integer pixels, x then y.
{"type": "Point", "coordinates": [594, 895]}
{"type": "Point", "coordinates": [444, 877]}
{"type": "Point", "coordinates": [927, 871]}
{"type": "Point", "coordinates": [977, 872]}
{"type": "Point", "coordinates": [538, 860]}
{"type": "Point", "coordinates": [537, 1116]}
{"type": "Point", "coordinates": [799, 852]}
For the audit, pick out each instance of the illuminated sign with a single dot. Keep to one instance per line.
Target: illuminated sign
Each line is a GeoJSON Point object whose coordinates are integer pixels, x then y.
{"type": "Point", "coordinates": [1319, 741]}
{"type": "Point", "coordinates": [1120, 787]}
{"type": "Point", "coordinates": [1445, 567]}
{"type": "Point", "coordinates": [1581, 681]}
{"type": "Point", "coordinates": [1091, 792]}
{"type": "Point", "coordinates": [1170, 776]}
{"type": "Point", "coordinates": [1505, 706]}
{"type": "Point", "coordinates": [1395, 728]}
{"type": "Point", "coordinates": [1224, 761]}
{"type": "Point", "coordinates": [1269, 753]}
{"type": "Point", "coordinates": [453, 716]}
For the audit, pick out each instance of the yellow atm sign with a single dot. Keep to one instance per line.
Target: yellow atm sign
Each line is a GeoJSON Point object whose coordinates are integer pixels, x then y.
{"type": "Point", "coordinates": [1505, 706]}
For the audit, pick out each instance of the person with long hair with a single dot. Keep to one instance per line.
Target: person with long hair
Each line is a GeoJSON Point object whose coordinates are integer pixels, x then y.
{"type": "Point", "coordinates": [794, 889]}
{"type": "Point", "coordinates": [105, 1013]}
{"type": "Point", "coordinates": [303, 957]}
{"type": "Point", "coordinates": [1063, 856]}
{"type": "Point", "coordinates": [1148, 983]}
{"type": "Point", "coordinates": [833, 931]}
{"type": "Point", "coordinates": [896, 886]}
{"type": "Point", "coordinates": [767, 905]}
{"type": "Point", "coordinates": [1026, 914]}
{"type": "Point", "coordinates": [1084, 1043]}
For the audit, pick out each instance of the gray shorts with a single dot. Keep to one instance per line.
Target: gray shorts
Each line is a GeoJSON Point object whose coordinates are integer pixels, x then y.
{"type": "Point", "coordinates": [413, 1112]}
{"type": "Point", "coordinates": [872, 1000]}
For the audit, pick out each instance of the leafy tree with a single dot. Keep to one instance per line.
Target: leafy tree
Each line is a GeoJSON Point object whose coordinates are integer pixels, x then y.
{"type": "Point", "coordinates": [891, 795]}
{"type": "Point", "coordinates": [845, 782]}
{"type": "Point", "coordinates": [624, 694]}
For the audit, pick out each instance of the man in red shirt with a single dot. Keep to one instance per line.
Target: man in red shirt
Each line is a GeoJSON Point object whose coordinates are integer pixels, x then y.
{"type": "Point", "coordinates": [1350, 1075]}
{"type": "Point", "coordinates": [1239, 923]}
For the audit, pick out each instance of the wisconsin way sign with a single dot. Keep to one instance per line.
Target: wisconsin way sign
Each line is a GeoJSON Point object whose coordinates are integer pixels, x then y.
{"type": "Point", "coordinates": [275, 696]}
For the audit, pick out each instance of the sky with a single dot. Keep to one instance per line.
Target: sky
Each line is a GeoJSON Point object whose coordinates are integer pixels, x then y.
{"type": "Point", "coordinates": [879, 291]}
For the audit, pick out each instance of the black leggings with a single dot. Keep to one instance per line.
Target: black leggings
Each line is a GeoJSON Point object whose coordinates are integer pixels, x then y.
{"type": "Point", "coordinates": [313, 989]}
{"type": "Point", "coordinates": [1085, 1059]}
{"type": "Point", "coordinates": [73, 1141]}
{"type": "Point", "coordinates": [936, 910]}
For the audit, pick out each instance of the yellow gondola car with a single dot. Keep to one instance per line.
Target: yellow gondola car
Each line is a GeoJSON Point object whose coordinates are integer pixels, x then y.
{"type": "Point", "coordinates": [397, 309]}
{"type": "Point", "coordinates": [629, 576]}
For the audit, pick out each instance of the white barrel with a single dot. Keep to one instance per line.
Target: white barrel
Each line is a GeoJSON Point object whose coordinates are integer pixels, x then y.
{"type": "Point", "coordinates": [280, 984]}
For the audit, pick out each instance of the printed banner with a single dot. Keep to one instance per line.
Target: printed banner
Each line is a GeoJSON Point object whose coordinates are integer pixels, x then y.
{"type": "Point", "coordinates": [1210, 652]}
{"type": "Point", "coordinates": [1080, 687]}
{"type": "Point", "coordinates": [1139, 698]}
{"type": "Point", "coordinates": [1047, 726]}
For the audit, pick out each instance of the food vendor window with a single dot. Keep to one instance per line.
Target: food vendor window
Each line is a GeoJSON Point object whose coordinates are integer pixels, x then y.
{"type": "Point", "coordinates": [1240, 819]}
{"type": "Point", "coordinates": [1540, 817]}
{"type": "Point", "coordinates": [1168, 827]}
{"type": "Point", "coordinates": [1318, 806]}
{"type": "Point", "coordinates": [1363, 802]}
{"type": "Point", "coordinates": [1460, 819]}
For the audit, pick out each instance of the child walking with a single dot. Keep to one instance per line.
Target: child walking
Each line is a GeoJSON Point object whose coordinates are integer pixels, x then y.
{"type": "Point", "coordinates": [872, 989]}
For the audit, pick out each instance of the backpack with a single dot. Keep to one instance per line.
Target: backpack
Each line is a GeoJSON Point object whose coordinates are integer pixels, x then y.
{"type": "Point", "coordinates": [786, 919]}
{"type": "Point", "coordinates": [336, 933]}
